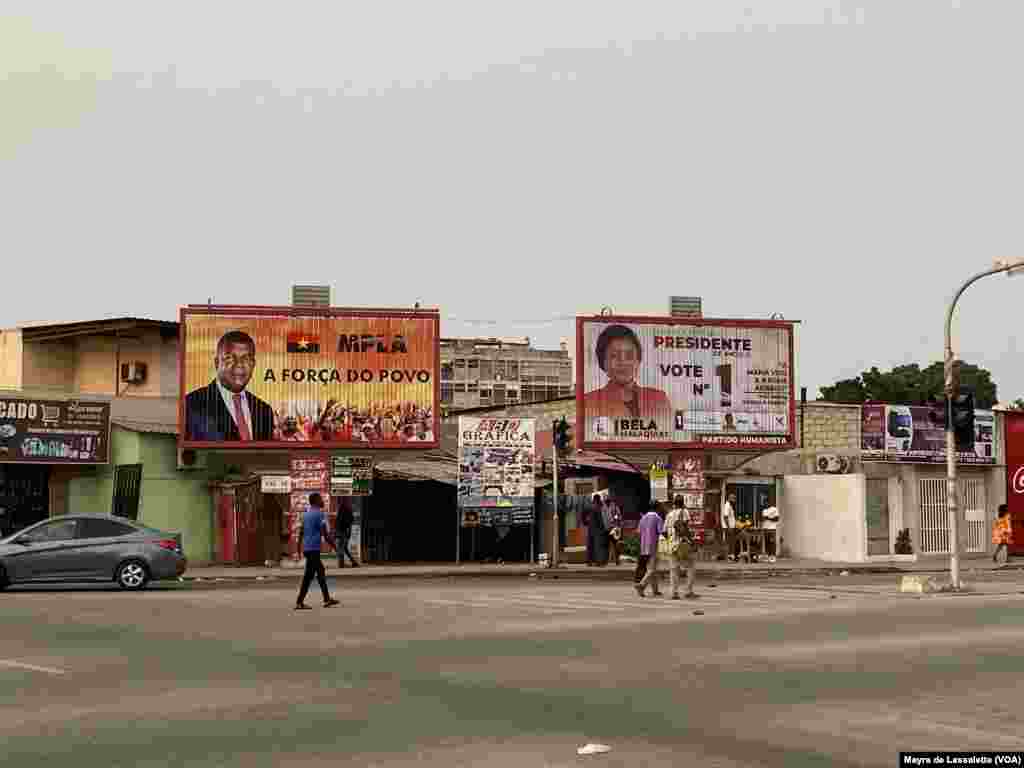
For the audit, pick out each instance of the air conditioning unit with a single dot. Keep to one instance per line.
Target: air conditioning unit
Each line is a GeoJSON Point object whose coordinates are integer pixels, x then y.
{"type": "Point", "coordinates": [831, 464]}
{"type": "Point", "coordinates": [133, 373]}
{"type": "Point", "coordinates": [190, 458]}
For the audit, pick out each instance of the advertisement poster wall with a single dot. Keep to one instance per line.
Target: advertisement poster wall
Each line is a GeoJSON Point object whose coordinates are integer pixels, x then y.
{"type": "Point", "coordinates": [308, 475]}
{"type": "Point", "coordinates": [675, 383]}
{"type": "Point", "coordinates": [294, 377]}
{"type": "Point", "coordinates": [918, 434]}
{"type": "Point", "coordinates": [496, 470]}
{"type": "Point", "coordinates": [1014, 427]}
{"type": "Point", "coordinates": [54, 431]}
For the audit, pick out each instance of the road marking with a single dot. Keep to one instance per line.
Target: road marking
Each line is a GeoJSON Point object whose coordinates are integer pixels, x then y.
{"type": "Point", "coordinates": [32, 667]}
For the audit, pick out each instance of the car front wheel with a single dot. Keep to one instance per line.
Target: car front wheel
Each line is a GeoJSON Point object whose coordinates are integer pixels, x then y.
{"type": "Point", "coordinates": [132, 575]}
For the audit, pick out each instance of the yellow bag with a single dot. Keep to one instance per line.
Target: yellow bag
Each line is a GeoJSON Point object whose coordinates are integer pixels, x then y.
{"type": "Point", "coordinates": [664, 547]}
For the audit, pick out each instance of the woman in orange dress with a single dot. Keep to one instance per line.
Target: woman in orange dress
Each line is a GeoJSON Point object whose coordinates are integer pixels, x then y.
{"type": "Point", "coordinates": [619, 355]}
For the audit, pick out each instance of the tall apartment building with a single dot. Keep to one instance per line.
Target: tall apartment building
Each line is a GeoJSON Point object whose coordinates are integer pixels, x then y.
{"type": "Point", "coordinates": [492, 371]}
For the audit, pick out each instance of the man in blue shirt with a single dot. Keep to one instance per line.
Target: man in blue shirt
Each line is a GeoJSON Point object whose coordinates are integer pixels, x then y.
{"type": "Point", "coordinates": [314, 527]}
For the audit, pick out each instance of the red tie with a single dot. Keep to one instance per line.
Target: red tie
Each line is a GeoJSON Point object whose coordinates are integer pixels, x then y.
{"type": "Point", "coordinates": [243, 425]}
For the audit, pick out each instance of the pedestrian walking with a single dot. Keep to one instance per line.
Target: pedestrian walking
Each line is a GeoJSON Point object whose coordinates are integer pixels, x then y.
{"type": "Point", "coordinates": [314, 527]}
{"type": "Point", "coordinates": [597, 534]}
{"type": "Point", "coordinates": [613, 523]}
{"type": "Point", "coordinates": [650, 532]}
{"type": "Point", "coordinates": [343, 532]}
{"type": "Point", "coordinates": [682, 550]}
{"type": "Point", "coordinates": [1002, 535]}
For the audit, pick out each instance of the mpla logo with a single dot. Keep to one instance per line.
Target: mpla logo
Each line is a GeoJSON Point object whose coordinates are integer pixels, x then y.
{"type": "Point", "coordinates": [1017, 484]}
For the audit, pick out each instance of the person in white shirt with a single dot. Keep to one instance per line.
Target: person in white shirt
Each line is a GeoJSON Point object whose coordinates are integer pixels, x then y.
{"type": "Point", "coordinates": [729, 526]}
{"type": "Point", "coordinates": [770, 524]}
{"type": "Point", "coordinates": [682, 551]}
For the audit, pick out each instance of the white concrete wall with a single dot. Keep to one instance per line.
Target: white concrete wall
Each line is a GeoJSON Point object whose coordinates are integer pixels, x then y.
{"type": "Point", "coordinates": [823, 517]}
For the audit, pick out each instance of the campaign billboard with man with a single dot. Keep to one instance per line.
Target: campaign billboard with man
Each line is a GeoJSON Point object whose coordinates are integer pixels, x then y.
{"type": "Point", "coordinates": [295, 376]}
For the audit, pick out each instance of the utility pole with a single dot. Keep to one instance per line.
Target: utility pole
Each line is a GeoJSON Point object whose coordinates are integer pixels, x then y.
{"type": "Point", "coordinates": [951, 386]}
{"type": "Point", "coordinates": [553, 561]}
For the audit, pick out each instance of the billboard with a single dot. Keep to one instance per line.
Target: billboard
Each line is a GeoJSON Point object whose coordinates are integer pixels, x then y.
{"type": "Point", "coordinates": [54, 431]}
{"type": "Point", "coordinates": [668, 383]}
{"type": "Point", "coordinates": [496, 467]}
{"type": "Point", "coordinates": [296, 377]}
{"type": "Point", "coordinates": [1013, 422]}
{"type": "Point", "coordinates": [914, 433]}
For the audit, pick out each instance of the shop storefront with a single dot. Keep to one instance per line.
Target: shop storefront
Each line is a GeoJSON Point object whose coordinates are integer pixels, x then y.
{"type": "Point", "coordinates": [44, 443]}
{"type": "Point", "coordinates": [289, 401]}
{"type": "Point", "coordinates": [688, 401]}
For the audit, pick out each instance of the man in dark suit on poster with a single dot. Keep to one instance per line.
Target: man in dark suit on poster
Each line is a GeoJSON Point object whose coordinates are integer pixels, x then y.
{"type": "Point", "coordinates": [224, 410]}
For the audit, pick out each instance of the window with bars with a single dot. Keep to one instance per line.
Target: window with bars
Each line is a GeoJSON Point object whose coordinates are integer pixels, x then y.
{"type": "Point", "coordinates": [513, 370]}
{"type": "Point", "coordinates": [460, 370]}
{"type": "Point", "coordinates": [486, 370]}
{"type": "Point", "coordinates": [474, 369]}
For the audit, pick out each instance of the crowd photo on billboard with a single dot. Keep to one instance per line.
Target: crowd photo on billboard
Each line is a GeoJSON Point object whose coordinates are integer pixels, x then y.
{"type": "Point", "coordinates": [685, 382]}
{"type": "Point", "coordinates": [339, 380]}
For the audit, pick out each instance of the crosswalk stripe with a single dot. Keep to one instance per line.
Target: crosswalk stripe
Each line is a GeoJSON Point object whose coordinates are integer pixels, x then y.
{"type": "Point", "coordinates": [579, 602]}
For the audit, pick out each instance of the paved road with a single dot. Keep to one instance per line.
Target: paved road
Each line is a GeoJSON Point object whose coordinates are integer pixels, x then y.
{"type": "Point", "coordinates": [831, 672]}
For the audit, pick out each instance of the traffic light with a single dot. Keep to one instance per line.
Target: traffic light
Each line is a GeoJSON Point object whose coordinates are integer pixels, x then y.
{"type": "Point", "coordinates": [562, 435]}
{"type": "Point", "coordinates": [963, 421]}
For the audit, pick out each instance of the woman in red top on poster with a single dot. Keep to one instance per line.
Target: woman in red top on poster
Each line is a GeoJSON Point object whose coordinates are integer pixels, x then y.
{"type": "Point", "coordinates": [619, 355]}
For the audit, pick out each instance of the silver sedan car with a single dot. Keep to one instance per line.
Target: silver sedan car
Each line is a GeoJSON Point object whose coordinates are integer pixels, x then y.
{"type": "Point", "coordinates": [88, 548]}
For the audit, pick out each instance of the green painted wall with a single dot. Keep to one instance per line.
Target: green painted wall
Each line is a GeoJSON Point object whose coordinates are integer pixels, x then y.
{"type": "Point", "coordinates": [170, 499]}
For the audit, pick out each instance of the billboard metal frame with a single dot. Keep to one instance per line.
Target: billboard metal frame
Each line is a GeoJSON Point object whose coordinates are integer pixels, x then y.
{"type": "Point", "coordinates": [787, 325]}
{"type": "Point", "coordinates": [288, 311]}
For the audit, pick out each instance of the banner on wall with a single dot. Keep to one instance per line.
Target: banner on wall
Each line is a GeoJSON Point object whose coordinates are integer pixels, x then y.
{"type": "Point", "coordinates": [54, 431]}
{"type": "Point", "coordinates": [1014, 426]}
{"type": "Point", "coordinates": [289, 377]}
{"type": "Point", "coordinates": [684, 383]}
{"type": "Point", "coordinates": [496, 470]}
{"type": "Point", "coordinates": [688, 481]}
{"type": "Point", "coordinates": [917, 434]}
{"type": "Point", "coordinates": [309, 474]}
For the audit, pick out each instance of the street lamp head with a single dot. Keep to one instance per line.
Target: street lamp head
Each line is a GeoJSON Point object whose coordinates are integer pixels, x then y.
{"type": "Point", "coordinates": [1012, 266]}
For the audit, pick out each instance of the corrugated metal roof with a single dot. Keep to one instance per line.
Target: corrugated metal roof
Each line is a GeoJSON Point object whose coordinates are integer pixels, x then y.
{"type": "Point", "coordinates": [146, 414]}
{"type": "Point", "coordinates": [146, 426]}
{"type": "Point", "coordinates": [112, 318]}
{"type": "Point", "coordinates": [436, 466]}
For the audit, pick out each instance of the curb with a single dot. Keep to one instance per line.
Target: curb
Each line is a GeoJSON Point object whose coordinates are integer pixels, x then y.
{"type": "Point", "coordinates": [576, 575]}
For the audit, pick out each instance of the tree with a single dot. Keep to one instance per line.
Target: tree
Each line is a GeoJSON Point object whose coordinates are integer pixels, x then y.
{"type": "Point", "coordinates": [1016, 405]}
{"type": "Point", "coordinates": [911, 385]}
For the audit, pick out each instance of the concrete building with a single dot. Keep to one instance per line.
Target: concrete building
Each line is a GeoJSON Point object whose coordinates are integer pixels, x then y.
{"type": "Point", "coordinates": [130, 363]}
{"type": "Point", "coordinates": [849, 510]}
{"type": "Point", "coordinates": [481, 372]}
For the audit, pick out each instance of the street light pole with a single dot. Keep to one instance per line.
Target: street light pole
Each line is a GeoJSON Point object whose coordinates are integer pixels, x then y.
{"type": "Point", "coordinates": [950, 389]}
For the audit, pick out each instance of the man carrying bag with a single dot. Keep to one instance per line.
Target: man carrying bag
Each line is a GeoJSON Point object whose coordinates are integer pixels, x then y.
{"type": "Point", "coordinates": [681, 550]}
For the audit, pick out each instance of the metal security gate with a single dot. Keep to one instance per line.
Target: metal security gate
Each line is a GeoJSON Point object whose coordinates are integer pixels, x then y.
{"type": "Point", "coordinates": [972, 502]}
{"type": "Point", "coordinates": [935, 515]}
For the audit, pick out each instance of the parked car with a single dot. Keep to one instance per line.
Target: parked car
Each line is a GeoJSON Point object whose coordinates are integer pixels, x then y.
{"type": "Point", "coordinates": [88, 548]}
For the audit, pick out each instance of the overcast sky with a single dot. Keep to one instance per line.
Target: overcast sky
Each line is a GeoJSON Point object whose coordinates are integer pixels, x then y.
{"type": "Point", "coordinates": [843, 164]}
